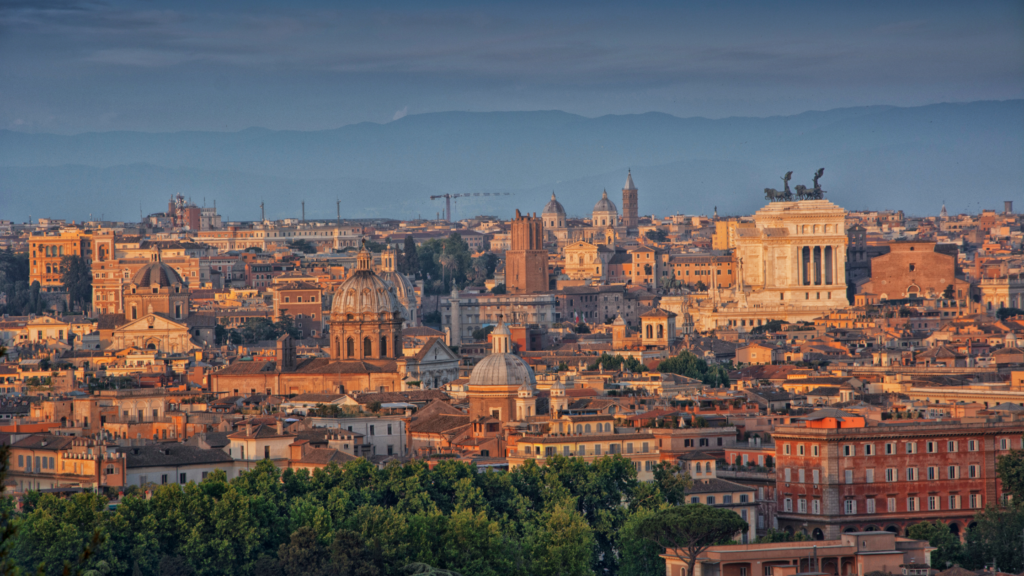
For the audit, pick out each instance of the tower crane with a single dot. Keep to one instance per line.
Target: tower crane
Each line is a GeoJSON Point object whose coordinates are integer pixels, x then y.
{"type": "Point", "coordinates": [448, 200]}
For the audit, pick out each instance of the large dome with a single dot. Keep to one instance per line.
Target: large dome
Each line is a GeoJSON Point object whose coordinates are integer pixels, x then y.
{"type": "Point", "coordinates": [365, 292]}
{"type": "Point", "coordinates": [553, 207]}
{"type": "Point", "coordinates": [404, 291]}
{"type": "Point", "coordinates": [502, 370]}
{"type": "Point", "coordinates": [157, 273]}
{"type": "Point", "coordinates": [605, 205]}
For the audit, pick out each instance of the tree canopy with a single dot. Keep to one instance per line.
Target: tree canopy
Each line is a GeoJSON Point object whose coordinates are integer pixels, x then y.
{"type": "Point", "coordinates": [687, 531]}
{"type": "Point", "coordinates": [570, 517]}
{"type": "Point", "coordinates": [76, 278]}
{"type": "Point", "coordinates": [687, 364]}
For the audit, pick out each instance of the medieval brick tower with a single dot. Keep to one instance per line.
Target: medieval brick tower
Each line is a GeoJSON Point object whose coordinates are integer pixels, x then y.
{"type": "Point", "coordinates": [526, 264]}
{"type": "Point", "coordinates": [630, 209]}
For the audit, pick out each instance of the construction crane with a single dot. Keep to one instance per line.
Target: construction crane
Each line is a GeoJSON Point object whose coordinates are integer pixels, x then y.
{"type": "Point", "coordinates": [448, 200]}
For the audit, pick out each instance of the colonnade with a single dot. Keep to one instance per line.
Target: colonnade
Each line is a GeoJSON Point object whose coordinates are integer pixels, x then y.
{"type": "Point", "coordinates": [821, 265]}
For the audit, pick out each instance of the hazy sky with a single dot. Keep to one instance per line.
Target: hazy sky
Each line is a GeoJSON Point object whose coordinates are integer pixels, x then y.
{"type": "Point", "coordinates": [70, 66]}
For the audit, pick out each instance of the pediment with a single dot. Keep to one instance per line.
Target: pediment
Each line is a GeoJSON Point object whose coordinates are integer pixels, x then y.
{"type": "Point", "coordinates": [151, 322]}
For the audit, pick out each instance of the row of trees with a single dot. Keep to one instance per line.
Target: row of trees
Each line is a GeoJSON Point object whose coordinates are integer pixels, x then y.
{"type": "Point", "coordinates": [445, 264]}
{"type": "Point", "coordinates": [608, 362]}
{"type": "Point", "coordinates": [688, 364]}
{"type": "Point", "coordinates": [568, 518]}
{"type": "Point", "coordinates": [256, 330]}
{"type": "Point", "coordinates": [22, 297]}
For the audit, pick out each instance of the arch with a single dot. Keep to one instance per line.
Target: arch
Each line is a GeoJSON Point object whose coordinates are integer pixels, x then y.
{"type": "Point", "coordinates": [849, 530]}
{"type": "Point", "coordinates": [871, 529]}
{"type": "Point", "coordinates": [383, 346]}
{"type": "Point", "coordinates": [586, 428]}
{"type": "Point", "coordinates": [954, 529]}
{"type": "Point", "coordinates": [650, 331]}
{"type": "Point", "coordinates": [818, 534]}
{"type": "Point", "coordinates": [579, 428]}
{"type": "Point", "coordinates": [892, 529]}
{"type": "Point", "coordinates": [367, 347]}
{"type": "Point", "coordinates": [151, 346]}
{"type": "Point", "coordinates": [661, 331]}
{"type": "Point", "coordinates": [350, 348]}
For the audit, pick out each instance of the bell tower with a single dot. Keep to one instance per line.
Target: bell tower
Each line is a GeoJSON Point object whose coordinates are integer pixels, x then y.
{"type": "Point", "coordinates": [630, 208]}
{"type": "Point", "coordinates": [526, 264]}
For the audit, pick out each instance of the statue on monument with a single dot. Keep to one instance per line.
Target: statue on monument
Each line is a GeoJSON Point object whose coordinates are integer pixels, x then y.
{"type": "Point", "coordinates": [772, 195]}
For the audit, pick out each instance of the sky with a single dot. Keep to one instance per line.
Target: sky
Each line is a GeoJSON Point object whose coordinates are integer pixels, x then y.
{"type": "Point", "coordinates": [71, 66]}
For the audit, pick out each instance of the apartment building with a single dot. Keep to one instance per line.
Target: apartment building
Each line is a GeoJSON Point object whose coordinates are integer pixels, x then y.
{"type": "Point", "coordinates": [837, 472]}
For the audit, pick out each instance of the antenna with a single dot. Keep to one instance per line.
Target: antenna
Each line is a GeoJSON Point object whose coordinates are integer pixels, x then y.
{"type": "Point", "coordinates": [303, 210]}
{"type": "Point", "coordinates": [263, 214]}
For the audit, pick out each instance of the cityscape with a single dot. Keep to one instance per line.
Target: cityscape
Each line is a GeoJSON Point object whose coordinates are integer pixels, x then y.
{"type": "Point", "coordinates": [603, 368]}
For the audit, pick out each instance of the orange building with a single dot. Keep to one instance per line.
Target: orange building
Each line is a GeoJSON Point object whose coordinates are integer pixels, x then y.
{"type": "Point", "coordinates": [46, 249]}
{"type": "Point", "coordinates": [119, 258]}
{"type": "Point", "coordinates": [43, 461]}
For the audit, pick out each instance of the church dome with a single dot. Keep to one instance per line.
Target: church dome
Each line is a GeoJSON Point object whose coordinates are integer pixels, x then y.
{"type": "Point", "coordinates": [159, 274]}
{"type": "Point", "coordinates": [404, 291]}
{"type": "Point", "coordinates": [553, 207]}
{"type": "Point", "coordinates": [365, 292]}
{"type": "Point", "coordinates": [501, 367]}
{"type": "Point", "coordinates": [605, 205]}
{"type": "Point", "coordinates": [502, 370]}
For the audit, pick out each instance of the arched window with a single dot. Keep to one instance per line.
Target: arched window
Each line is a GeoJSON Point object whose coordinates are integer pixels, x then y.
{"type": "Point", "coordinates": [383, 346]}
{"type": "Point", "coordinates": [650, 331]}
{"type": "Point", "coordinates": [367, 346]}
{"type": "Point", "coordinates": [586, 428]}
{"type": "Point", "coordinates": [661, 331]}
{"type": "Point", "coordinates": [698, 468]}
{"type": "Point", "coordinates": [350, 348]}
{"type": "Point", "coordinates": [579, 429]}
{"type": "Point", "coordinates": [135, 313]}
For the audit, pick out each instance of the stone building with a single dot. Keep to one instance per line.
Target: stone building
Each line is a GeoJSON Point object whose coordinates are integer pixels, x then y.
{"type": "Point", "coordinates": [916, 270]}
{"type": "Point", "coordinates": [526, 264]}
{"type": "Point", "coordinates": [502, 386]}
{"type": "Point", "coordinates": [303, 303]}
{"type": "Point", "coordinates": [47, 249]}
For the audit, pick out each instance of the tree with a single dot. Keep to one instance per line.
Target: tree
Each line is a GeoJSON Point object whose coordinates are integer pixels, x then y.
{"type": "Point", "coordinates": [480, 334]}
{"type": "Point", "coordinates": [498, 289]}
{"type": "Point", "coordinates": [687, 531]}
{"type": "Point", "coordinates": [410, 264]}
{"type": "Point", "coordinates": [1004, 313]}
{"type": "Point", "coordinates": [638, 555]}
{"type": "Point", "coordinates": [303, 555]}
{"type": "Point", "coordinates": [303, 246]}
{"type": "Point", "coordinates": [997, 536]}
{"type": "Point", "coordinates": [949, 551]}
{"type": "Point", "coordinates": [657, 235]}
{"type": "Point", "coordinates": [687, 364]}
{"type": "Point", "coordinates": [773, 536]}
{"type": "Point", "coordinates": [76, 278]}
{"type": "Point", "coordinates": [483, 267]}
{"type": "Point", "coordinates": [672, 481]}
{"type": "Point", "coordinates": [1010, 469]}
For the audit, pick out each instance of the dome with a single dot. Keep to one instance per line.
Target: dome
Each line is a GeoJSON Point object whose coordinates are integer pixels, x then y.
{"type": "Point", "coordinates": [502, 370]}
{"type": "Point", "coordinates": [403, 290]}
{"type": "Point", "coordinates": [553, 207]}
{"type": "Point", "coordinates": [157, 273]}
{"type": "Point", "coordinates": [365, 292]}
{"type": "Point", "coordinates": [605, 205]}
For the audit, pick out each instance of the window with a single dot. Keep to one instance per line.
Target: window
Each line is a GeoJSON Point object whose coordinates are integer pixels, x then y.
{"type": "Point", "coordinates": [911, 474]}
{"type": "Point", "coordinates": [815, 506]}
{"type": "Point", "coordinates": [710, 500]}
{"type": "Point", "coordinates": [869, 449]}
{"type": "Point", "coordinates": [744, 498]}
{"type": "Point", "coordinates": [788, 474]}
{"type": "Point", "coordinates": [933, 502]}
{"type": "Point", "coordinates": [890, 475]}
{"type": "Point", "coordinates": [788, 505]}
{"type": "Point", "coordinates": [266, 452]}
{"type": "Point", "coordinates": [931, 447]}
{"type": "Point", "coordinates": [389, 429]}
{"type": "Point", "coordinates": [869, 506]}
{"type": "Point", "coordinates": [727, 499]}
{"type": "Point", "coordinates": [933, 473]}
{"type": "Point", "coordinates": [1004, 444]}
{"type": "Point", "coordinates": [912, 504]}
{"type": "Point", "coordinates": [391, 449]}
{"type": "Point", "coordinates": [911, 447]}
{"type": "Point", "coordinates": [801, 506]}
{"type": "Point", "coordinates": [816, 475]}
{"type": "Point", "coordinates": [814, 450]}
{"type": "Point", "coordinates": [953, 473]}
{"type": "Point", "coordinates": [800, 476]}
{"type": "Point", "coordinates": [785, 449]}
{"type": "Point", "coordinates": [972, 471]}
{"type": "Point", "coordinates": [21, 460]}
{"type": "Point", "coordinates": [800, 449]}
{"type": "Point", "coordinates": [952, 446]}
{"type": "Point", "coordinates": [695, 500]}
{"type": "Point", "coordinates": [163, 478]}
{"type": "Point", "coordinates": [975, 501]}
{"type": "Point", "coordinates": [890, 448]}
{"type": "Point", "coordinates": [849, 450]}
{"type": "Point", "coordinates": [183, 478]}
{"type": "Point", "coordinates": [850, 507]}
{"type": "Point", "coordinates": [972, 445]}
{"type": "Point", "coordinates": [849, 476]}
{"type": "Point", "coordinates": [954, 501]}
{"type": "Point", "coordinates": [371, 429]}
{"type": "Point", "coordinates": [890, 504]}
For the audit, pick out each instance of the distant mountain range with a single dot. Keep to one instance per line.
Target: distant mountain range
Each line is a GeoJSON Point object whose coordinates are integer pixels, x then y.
{"type": "Point", "coordinates": [970, 156]}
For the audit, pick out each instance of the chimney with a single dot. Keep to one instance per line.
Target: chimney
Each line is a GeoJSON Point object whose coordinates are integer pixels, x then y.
{"type": "Point", "coordinates": [248, 429]}
{"type": "Point", "coordinates": [280, 428]}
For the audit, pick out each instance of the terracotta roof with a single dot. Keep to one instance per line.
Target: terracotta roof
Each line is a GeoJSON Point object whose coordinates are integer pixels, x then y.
{"type": "Point", "coordinates": [716, 485]}
{"type": "Point", "coordinates": [324, 456]}
{"type": "Point", "coordinates": [439, 424]}
{"type": "Point", "coordinates": [161, 455]}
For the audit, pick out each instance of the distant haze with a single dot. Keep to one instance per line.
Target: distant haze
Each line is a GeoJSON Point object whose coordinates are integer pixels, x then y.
{"type": "Point", "coordinates": [966, 155]}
